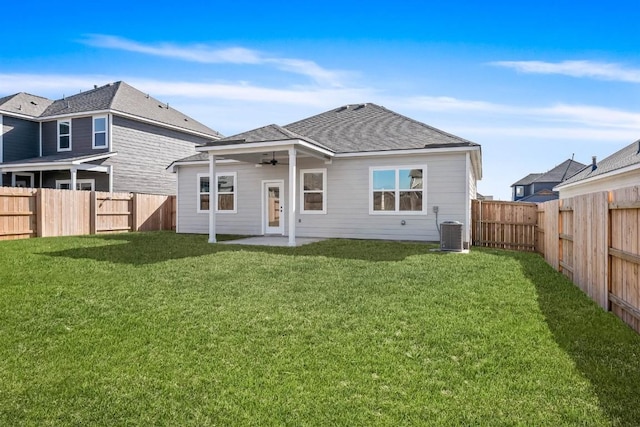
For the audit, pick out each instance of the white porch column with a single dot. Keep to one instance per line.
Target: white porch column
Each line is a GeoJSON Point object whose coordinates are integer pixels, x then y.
{"type": "Point", "coordinates": [213, 197]}
{"type": "Point", "coordinates": [74, 176]}
{"type": "Point", "coordinates": [292, 196]}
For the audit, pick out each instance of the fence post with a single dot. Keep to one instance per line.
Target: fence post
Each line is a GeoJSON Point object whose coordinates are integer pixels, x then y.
{"type": "Point", "coordinates": [93, 213]}
{"type": "Point", "coordinates": [39, 213]}
{"type": "Point", "coordinates": [134, 212]}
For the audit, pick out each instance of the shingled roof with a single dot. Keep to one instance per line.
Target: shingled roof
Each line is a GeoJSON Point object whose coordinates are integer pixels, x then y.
{"type": "Point", "coordinates": [356, 128]}
{"type": "Point", "coordinates": [121, 97]}
{"type": "Point", "coordinates": [118, 97]}
{"type": "Point", "coordinates": [24, 104]}
{"type": "Point", "coordinates": [628, 156]}
{"type": "Point", "coordinates": [559, 173]}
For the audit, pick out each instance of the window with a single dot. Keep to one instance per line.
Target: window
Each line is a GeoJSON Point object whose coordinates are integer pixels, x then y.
{"type": "Point", "coordinates": [395, 190]}
{"type": "Point", "coordinates": [81, 184]}
{"type": "Point", "coordinates": [519, 190]}
{"type": "Point", "coordinates": [314, 191]}
{"type": "Point", "coordinates": [64, 135]}
{"type": "Point", "coordinates": [100, 132]}
{"type": "Point", "coordinates": [226, 192]}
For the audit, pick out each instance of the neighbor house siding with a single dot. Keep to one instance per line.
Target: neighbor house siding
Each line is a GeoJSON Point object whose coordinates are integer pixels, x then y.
{"type": "Point", "coordinates": [20, 139]}
{"type": "Point", "coordinates": [603, 183]}
{"type": "Point", "coordinates": [347, 199]}
{"type": "Point", "coordinates": [50, 138]}
{"type": "Point", "coordinates": [101, 179]}
{"type": "Point", "coordinates": [143, 153]}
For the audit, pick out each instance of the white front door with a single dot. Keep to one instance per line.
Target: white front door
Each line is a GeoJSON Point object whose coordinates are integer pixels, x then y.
{"type": "Point", "coordinates": [273, 207]}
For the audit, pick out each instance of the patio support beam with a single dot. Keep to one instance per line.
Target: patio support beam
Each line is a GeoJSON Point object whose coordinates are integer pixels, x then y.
{"type": "Point", "coordinates": [74, 177]}
{"type": "Point", "coordinates": [213, 197]}
{"type": "Point", "coordinates": [292, 196]}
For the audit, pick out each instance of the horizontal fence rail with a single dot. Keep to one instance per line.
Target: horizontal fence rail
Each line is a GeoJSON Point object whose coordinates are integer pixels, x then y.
{"type": "Point", "coordinates": [593, 239]}
{"type": "Point", "coordinates": [26, 213]}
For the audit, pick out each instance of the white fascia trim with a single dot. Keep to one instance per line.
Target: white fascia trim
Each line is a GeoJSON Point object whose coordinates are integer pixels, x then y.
{"type": "Point", "coordinates": [173, 166]}
{"type": "Point", "coordinates": [20, 116]}
{"type": "Point", "coordinates": [50, 166]}
{"type": "Point", "coordinates": [129, 116]}
{"type": "Point", "coordinates": [409, 152]}
{"type": "Point", "coordinates": [93, 158]}
{"type": "Point", "coordinates": [257, 147]}
{"type": "Point", "coordinates": [610, 174]}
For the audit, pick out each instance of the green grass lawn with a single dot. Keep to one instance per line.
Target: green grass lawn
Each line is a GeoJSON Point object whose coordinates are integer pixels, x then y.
{"type": "Point", "coordinates": [165, 329]}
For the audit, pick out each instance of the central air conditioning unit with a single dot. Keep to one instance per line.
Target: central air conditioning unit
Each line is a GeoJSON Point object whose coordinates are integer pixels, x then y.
{"type": "Point", "coordinates": [451, 236]}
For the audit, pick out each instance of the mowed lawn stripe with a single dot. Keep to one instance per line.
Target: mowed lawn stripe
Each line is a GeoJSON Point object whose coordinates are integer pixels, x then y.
{"type": "Point", "coordinates": [166, 329]}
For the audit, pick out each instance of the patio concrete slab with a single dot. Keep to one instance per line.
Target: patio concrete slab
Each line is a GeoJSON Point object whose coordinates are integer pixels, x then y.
{"type": "Point", "coordinates": [272, 241]}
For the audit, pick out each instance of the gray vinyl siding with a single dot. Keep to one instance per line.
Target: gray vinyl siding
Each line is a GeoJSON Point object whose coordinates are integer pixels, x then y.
{"type": "Point", "coordinates": [143, 153]}
{"type": "Point", "coordinates": [50, 138]}
{"type": "Point", "coordinates": [347, 199]}
{"type": "Point", "coordinates": [81, 137]}
{"type": "Point", "coordinates": [20, 139]}
{"type": "Point", "coordinates": [101, 179]}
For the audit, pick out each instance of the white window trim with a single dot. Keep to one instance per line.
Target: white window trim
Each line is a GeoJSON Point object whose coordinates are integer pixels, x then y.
{"type": "Point", "coordinates": [70, 131]}
{"type": "Point", "coordinates": [520, 187]}
{"type": "Point", "coordinates": [106, 132]}
{"type": "Point", "coordinates": [324, 191]}
{"type": "Point", "coordinates": [59, 182]}
{"type": "Point", "coordinates": [15, 175]}
{"type": "Point", "coordinates": [235, 192]}
{"type": "Point", "coordinates": [397, 210]}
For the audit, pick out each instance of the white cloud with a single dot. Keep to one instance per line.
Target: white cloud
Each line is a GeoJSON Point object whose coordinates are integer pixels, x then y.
{"type": "Point", "coordinates": [206, 54]}
{"type": "Point", "coordinates": [590, 69]}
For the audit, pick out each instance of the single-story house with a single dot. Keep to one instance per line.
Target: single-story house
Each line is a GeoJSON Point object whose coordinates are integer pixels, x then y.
{"type": "Point", "coordinates": [619, 170]}
{"type": "Point", "coordinates": [358, 171]}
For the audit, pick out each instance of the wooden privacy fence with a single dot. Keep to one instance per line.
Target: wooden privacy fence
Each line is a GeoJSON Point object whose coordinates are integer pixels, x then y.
{"type": "Point", "coordinates": [593, 239]}
{"type": "Point", "coordinates": [29, 212]}
{"type": "Point", "coordinates": [504, 225]}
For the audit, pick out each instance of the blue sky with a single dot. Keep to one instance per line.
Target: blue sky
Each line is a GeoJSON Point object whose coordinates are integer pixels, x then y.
{"type": "Point", "coordinates": [533, 82]}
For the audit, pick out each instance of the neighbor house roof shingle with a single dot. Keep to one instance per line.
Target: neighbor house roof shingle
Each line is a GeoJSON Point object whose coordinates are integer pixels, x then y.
{"type": "Point", "coordinates": [24, 104]}
{"type": "Point", "coordinates": [121, 97]}
{"type": "Point", "coordinates": [628, 156]}
{"type": "Point", "coordinates": [559, 173]}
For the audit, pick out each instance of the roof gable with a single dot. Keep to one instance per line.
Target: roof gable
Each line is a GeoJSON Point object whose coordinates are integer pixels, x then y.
{"type": "Point", "coordinates": [558, 174]}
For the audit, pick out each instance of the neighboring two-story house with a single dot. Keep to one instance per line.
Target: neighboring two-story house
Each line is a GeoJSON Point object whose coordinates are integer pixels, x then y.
{"type": "Point", "coordinates": [538, 187]}
{"type": "Point", "coordinates": [110, 138]}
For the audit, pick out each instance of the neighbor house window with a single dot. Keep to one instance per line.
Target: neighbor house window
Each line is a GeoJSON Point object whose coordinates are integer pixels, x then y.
{"type": "Point", "coordinates": [397, 190]}
{"type": "Point", "coordinates": [314, 191]}
{"type": "Point", "coordinates": [519, 190]}
{"type": "Point", "coordinates": [227, 192]}
{"type": "Point", "coordinates": [81, 184]}
{"type": "Point", "coordinates": [100, 132]}
{"type": "Point", "coordinates": [64, 135]}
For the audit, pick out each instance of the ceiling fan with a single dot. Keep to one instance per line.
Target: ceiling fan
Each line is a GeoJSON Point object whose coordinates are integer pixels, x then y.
{"type": "Point", "coordinates": [273, 161]}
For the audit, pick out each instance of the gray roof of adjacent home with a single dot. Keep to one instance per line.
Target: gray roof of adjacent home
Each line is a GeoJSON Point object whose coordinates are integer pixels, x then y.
{"type": "Point", "coordinates": [356, 128]}
{"type": "Point", "coordinates": [24, 104]}
{"type": "Point", "coordinates": [559, 173]}
{"type": "Point", "coordinates": [540, 196]}
{"type": "Point", "coordinates": [527, 179]}
{"type": "Point", "coordinates": [628, 156]}
{"type": "Point", "coordinates": [121, 97]}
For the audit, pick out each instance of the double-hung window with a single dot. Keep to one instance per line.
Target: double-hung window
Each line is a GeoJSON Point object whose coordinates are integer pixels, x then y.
{"type": "Point", "coordinates": [100, 132]}
{"type": "Point", "coordinates": [227, 192]}
{"type": "Point", "coordinates": [397, 190]}
{"type": "Point", "coordinates": [64, 135]}
{"type": "Point", "coordinates": [314, 191]}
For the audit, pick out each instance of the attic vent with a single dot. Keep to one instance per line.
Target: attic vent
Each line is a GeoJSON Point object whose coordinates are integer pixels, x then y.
{"type": "Point", "coordinates": [346, 107]}
{"type": "Point", "coordinates": [360, 106]}
{"type": "Point", "coordinates": [34, 103]}
{"type": "Point", "coordinates": [186, 120]}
